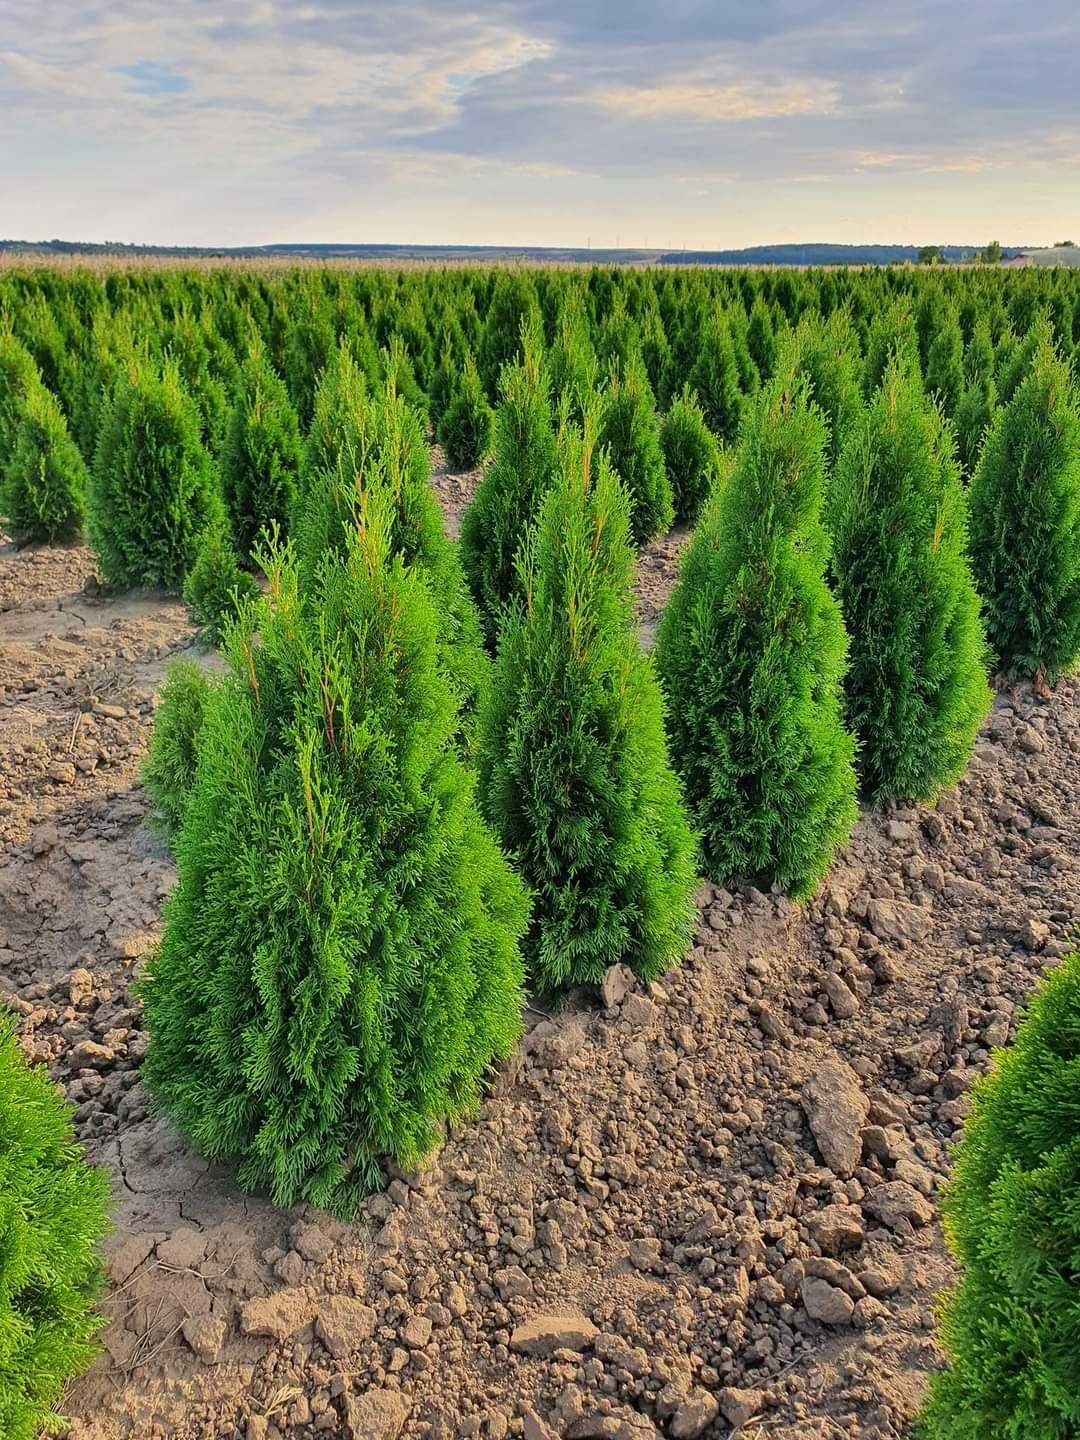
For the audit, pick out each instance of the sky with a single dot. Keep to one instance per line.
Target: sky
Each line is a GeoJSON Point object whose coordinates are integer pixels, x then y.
{"type": "Point", "coordinates": [663, 125]}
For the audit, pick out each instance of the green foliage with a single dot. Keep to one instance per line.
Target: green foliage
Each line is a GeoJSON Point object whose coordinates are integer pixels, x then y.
{"type": "Point", "coordinates": [53, 1213]}
{"type": "Point", "coordinates": [945, 362]}
{"type": "Point", "coordinates": [893, 340]}
{"type": "Point", "coordinates": [1014, 362]}
{"type": "Point", "coordinates": [761, 337]}
{"type": "Point", "coordinates": [152, 485]}
{"type": "Point", "coordinates": [827, 353]}
{"type": "Point", "coordinates": [18, 378]}
{"type": "Point", "coordinates": [572, 762]}
{"type": "Point", "coordinates": [691, 456]}
{"type": "Point", "coordinates": [467, 422]}
{"type": "Point", "coordinates": [215, 585]}
{"type": "Point", "coordinates": [513, 311]}
{"type": "Point", "coordinates": [386, 445]}
{"type": "Point", "coordinates": [43, 485]}
{"type": "Point", "coordinates": [916, 687]}
{"type": "Point", "coordinates": [1025, 523]}
{"type": "Point", "coordinates": [715, 377]}
{"type": "Point", "coordinates": [169, 768]}
{"type": "Point", "coordinates": [260, 460]}
{"type": "Point", "coordinates": [1011, 1329]}
{"type": "Point", "coordinates": [340, 423]}
{"type": "Point", "coordinates": [631, 431]}
{"type": "Point", "coordinates": [751, 653]}
{"type": "Point", "coordinates": [508, 497]}
{"type": "Point", "coordinates": [978, 400]}
{"type": "Point", "coordinates": [339, 966]}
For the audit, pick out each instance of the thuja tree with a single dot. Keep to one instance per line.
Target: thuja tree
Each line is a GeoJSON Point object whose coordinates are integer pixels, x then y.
{"type": "Point", "coordinates": [945, 361]}
{"type": "Point", "coordinates": [751, 653]}
{"type": "Point", "coordinates": [340, 422]}
{"type": "Point", "coordinates": [387, 447]}
{"type": "Point", "coordinates": [1011, 1329]}
{"type": "Point", "coordinates": [466, 425]}
{"type": "Point", "coordinates": [340, 961]}
{"type": "Point", "coordinates": [572, 762]}
{"type": "Point", "coordinates": [715, 376]}
{"type": "Point", "coordinates": [1025, 524]}
{"type": "Point", "coordinates": [893, 342]}
{"type": "Point", "coordinates": [827, 353]}
{"type": "Point", "coordinates": [916, 686]}
{"type": "Point", "coordinates": [513, 310]}
{"type": "Point", "coordinates": [509, 494]}
{"type": "Point", "coordinates": [18, 378]}
{"type": "Point", "coordinates": [153, 488]}
{"type": "Point", "coordinates": [260, 458]}
{"type": "Point", "coordinates": [43, 484]}
{"type": "Point", "coordinates": [169, 769]}
{"type": "Point", "coordinates": [630, 430]}
{"type": "Point", "coordinates": [53, 1213]}
{"type": "Point", "coordinates": [761, 337]}
{"type": "Point", "coordinates": [691, 456]}
{"type": "Point", "coordinates": [978, 399]}
{"type": "Point", "coordinates": [216, 585]}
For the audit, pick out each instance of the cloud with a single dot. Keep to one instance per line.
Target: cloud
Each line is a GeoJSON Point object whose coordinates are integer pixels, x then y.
{"type": "Point", "coordinates": [245, 122]}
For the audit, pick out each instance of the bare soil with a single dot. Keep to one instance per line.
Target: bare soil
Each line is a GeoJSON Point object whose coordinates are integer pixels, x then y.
{"type": "Point", "coordinates": [685, 1208]}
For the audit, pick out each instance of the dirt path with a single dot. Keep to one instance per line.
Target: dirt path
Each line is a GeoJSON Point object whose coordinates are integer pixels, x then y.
{"type": "Point", "coordinates": [633, 1236]}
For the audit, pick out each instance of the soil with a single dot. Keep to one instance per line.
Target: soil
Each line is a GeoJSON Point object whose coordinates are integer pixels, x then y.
{"type": "Point", "coordinates": [700, 1206]}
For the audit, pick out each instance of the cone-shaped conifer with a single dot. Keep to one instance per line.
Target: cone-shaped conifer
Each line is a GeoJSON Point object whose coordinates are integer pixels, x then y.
{"type": "Point", "coordinates": [260, 460]}
{"type": "Point", "coordinates": [53, 1213]}
{"type": "Point", "coordinates": [467, 422]}
{"type": "Point", "coordinates": [916, 684]}
{"type": "Point", "coordinates": [751, 651]}
{"type": "Point", "coordinates": [508, 497]}
{"type": "Point", "coordinates": [827, 353]}
{"type": "Point", "coordinates": [153, 489]}
{"type": "Point", "coordinates": [169, 769]}
{"type": "Point", "coordinates": [630, 430]}
{"type": "Point", "coordinates": [715, 377]}
{"type": "Point", "coordinates": [340, 962]}
{"type": "Point", "coordinates": [573, 767]}
{"type": "Point", "coordinates": [43, 485]}
{"type": "Point", "coordinates": [1011, 1330]}
{"type": "Point", "coordinates": [1025, 524]}
{"type": "Point", "coordinates": [691, 456]}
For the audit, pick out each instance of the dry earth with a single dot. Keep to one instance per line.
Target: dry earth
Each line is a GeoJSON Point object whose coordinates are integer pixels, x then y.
{"type": "Point", "coordinates": [703, 1205]}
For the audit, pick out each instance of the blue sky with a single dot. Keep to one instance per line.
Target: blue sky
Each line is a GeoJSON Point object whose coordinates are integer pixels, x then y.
{"type": "Point", "coordinates": [680, 124]}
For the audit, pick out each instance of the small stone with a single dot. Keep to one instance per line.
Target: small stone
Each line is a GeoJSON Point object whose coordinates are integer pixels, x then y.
{"type": "Point", "coordinates": [376, 1415]}
{"type": "Point", "coordinates": [278, 1316]}
{"type": "Point", "coordinates": [740, 1405]}
{"type": "Point", "coordinates": [343, 1324]}
{"type": "Point", "coordinates": [895, 1201]}
{"type": "Point", "coordinates": [312, 1243]}
{"type": "Point", "coordinates": [836, 1109]}
{"type": "Point", "coordinates": [617, 983]}
{"type": "Point", "coordinates": [80, 987]}
{"type": "Point", "coordinates": [417, 1332]}
{"type": "Point", "coordinates": [843, 1002]}
{"type": "Point", "coordinates": [826, 1302]}
{"type": "Point", "coordinates": [206, 1335]}
{"type": "Point", "coordinates": [533, 1428]}
{"type": "Point", "coordinates": [545, 1333]}
{"type": "Point", "coordinates": [838, 1228]}
{"type": "Point", "coordinates": [691, 1418]}
{"type": "Point", "coordinates": [1029, 740]}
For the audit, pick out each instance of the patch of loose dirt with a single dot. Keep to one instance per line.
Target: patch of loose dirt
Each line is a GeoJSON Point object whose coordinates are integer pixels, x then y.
{"type": "Point", "coordinates": [685, 1207]}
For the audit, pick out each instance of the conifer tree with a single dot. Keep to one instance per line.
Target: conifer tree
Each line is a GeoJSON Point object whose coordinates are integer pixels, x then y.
{"type": "Point", "coordinates": [169, 768]}
{"type": "Point", "coordinates": [215, 586]}
{"type": "Point", "coordinates": [691, 456]}
{"type": "Point", "coordinates": [572, 365]}
{"type": "Point", "coordinates": [340, 961]}
{"type": "Point", "coordinates": [1014, 362]}
{"type": "Point", "coordinates": [761, 337]}
{"type": "Point", "coordinates": [916, 686]}
{"type": "Point", "coordinates": [945, 362]}
{"type": "Point", "coordinates": [513, 310]}
{"type": "Point", "coordinates": [751, 653]}
{"type": "Point", "coordinates": [631, 431]}
{"type": "Point", "coordinates": [260, 460]}
{"type": "Point", "coordinates": [53, 1214]}
{"type": "Point", "coordinates": [152, 487]}
{"type": "Point", "coordinates": [466, 426]}
{"type": "Point", "coordinates": [1011, 1329]}
{"type": "Point", "coordinates": [893, 339]}
{"type": "Point", "coordinates": [715, 377]}
{"type": "Point", "coordinates": [43, 485]}
{"type": "Point", "coordinates": [572, 763]}
{"type": "Point", "coordinates": [340, 424]}
{"type": "Point", "coordinates": [827, 353]}
{"type": "Point", "coordinates": [978, 400]}
{"type": "Point", "coordinates": [509, 494]}
{"type": "Point", "coordinates": [385, 439]}
{"type": "Point", "coordinates": [1025, 524]}
{"type": "Point", "coordinates": [18, 378]}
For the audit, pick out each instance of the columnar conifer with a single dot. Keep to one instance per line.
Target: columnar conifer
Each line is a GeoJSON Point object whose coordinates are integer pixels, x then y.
{"type": "Point", "coordinates": [339, 966]}
{"type": "Point", "coordinates": [916, 687]}
{"type": "Point", "coordinates": [260, 460]}
{"type": "Point", "coordinates": [631, 431]}
{"type": "Point", "coordinates": [691, 456]}
{"type": "Point", "coordinates": [573, 768]}
{"type": "Point", "coordinates": [751, 652]}
{"type": "Point", "coordinates": [43, 484]}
